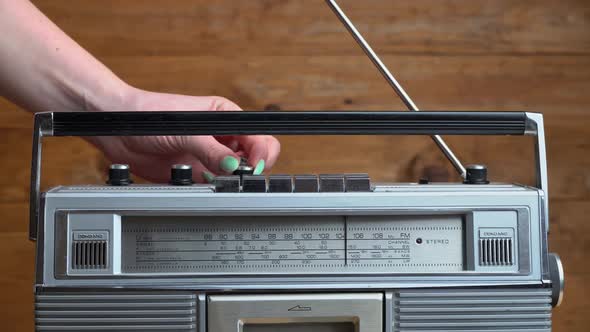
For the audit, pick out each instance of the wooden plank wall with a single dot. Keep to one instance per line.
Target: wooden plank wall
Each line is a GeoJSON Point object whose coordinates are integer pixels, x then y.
{"type": "Point", "coordinates": [294, 55]}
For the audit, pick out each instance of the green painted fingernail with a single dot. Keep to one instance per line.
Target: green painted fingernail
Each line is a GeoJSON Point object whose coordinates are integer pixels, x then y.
{"type": "Point", "coordinates": [229, 164]}
{"type": "Point", "coordinates": [208, 177]}
{"type": "Point", "coordinates": [259, 167]}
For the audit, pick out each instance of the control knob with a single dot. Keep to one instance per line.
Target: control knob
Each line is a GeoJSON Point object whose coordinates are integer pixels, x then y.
{"type": "Point", "coordinates": [244, 168]}
{"type": "Point", "coordinates": [181, 175]}
{"type": "Point", "coordinates": [476, 174]}
{"type": "Point", "coordinates": [119, 175]}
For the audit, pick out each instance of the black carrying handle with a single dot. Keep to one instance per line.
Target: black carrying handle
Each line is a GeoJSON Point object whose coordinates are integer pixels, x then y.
{"type": "Point", "coordinates": [278, 123]}
{"type": "Point", "coordinates": [287, 123]}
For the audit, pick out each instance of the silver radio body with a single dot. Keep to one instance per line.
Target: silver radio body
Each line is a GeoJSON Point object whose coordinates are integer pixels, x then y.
{"type": "Point", "coordinates": [252, 255]}
{"type": "Point", "coordinates": [399, 258]}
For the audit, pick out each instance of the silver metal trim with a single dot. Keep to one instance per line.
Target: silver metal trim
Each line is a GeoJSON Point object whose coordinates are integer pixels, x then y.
{"type": "Point", "coordinates": [530, 125]}
{"type": "Point", "coordinates": [40, 246]}
{"type": "Point", "coordinates": [535, 126]}
{"type": "Point", "coordinates": [543, 240]}
{"type": "Point", "coordinates": [201, 312]}
{"type": "Point", "coordinates": [43, 127]}
{"type": "Point", "coordinates": [119, 166]}
{"type": "Point", "coordinates": [388, 313]}
{"type": "Point", "coordinates": [393, 82]}
{"type": "Point", "coordinates": [181, 166]}
{"type": "Point", "coordinates": [293, 285]}
{"type": "Point", "coordinates": [232, 312]}
{"type": "Point", "coordinates": [523, 238]}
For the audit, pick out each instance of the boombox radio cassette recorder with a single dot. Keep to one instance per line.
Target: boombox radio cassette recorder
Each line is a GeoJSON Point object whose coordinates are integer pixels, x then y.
{"type": "Point", "coordinates": [302, 252]}
{"type": "Point", "coordinates": [332, 252]}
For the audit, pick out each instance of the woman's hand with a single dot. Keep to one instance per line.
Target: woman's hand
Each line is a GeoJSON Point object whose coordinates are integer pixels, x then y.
{"type": "Point", "coordinates": [42, 69]}
{"type": "Point", "coordinates": [151, 157]}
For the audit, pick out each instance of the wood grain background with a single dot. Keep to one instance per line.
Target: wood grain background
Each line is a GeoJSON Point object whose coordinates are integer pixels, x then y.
{"type": "Point", "coordinates": [294, 55]}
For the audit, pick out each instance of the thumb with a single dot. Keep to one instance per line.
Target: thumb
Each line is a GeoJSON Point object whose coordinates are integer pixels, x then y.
{"type": "Point", "coordinates": [223, 104]}
{"type": "Point", "coordinates": [215, 156]}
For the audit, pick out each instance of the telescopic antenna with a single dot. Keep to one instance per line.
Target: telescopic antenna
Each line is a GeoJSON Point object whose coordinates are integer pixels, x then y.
{"type": "Point", "coordinates": [392, 81]}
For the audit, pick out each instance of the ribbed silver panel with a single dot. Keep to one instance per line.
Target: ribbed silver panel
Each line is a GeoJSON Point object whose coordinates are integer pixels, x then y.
{"type": "Point", "coordinates": [472, 310]}
{"type": "Point", "coordinates": [146, 311]}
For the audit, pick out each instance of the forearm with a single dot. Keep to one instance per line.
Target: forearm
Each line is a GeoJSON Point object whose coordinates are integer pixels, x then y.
{"type": "Point", "coordinates": [42, 69]}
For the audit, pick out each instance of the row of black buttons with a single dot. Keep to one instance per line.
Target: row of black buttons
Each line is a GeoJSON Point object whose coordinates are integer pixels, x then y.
{"type": "Point", "coordinates": [181, 175]}
{"type": "Point", "coordinates": [297, 183]}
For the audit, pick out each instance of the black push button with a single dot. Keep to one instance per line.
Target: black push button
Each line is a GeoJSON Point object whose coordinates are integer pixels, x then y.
{"type": "Point", "coordinates": [253, 183]}
{"type": "Point", "coordinates": [332, 183]}
{"type": "Point", "coordinates": [357, 182]}
{"type": "Point", "coordinates": [306, 183]}
{"type": "Point", "coordinates": [280, 184]}
{"type": "Point", "coordinates": [227, 184]}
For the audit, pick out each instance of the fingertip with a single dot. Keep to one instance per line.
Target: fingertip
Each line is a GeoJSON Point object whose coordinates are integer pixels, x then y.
{"type": "Point", "coordinates": [208, 176]}
{"type": "Point", "coordinates": [229, 164]}
{"type": "Point", "coordinates": [260, 166]}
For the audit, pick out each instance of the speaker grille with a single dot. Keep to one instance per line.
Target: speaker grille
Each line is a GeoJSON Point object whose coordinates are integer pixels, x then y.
{"type": "Point", "coordinates": [472, 310]}
{"type": "Point", "coordinates": [496, 251]}
{"type": "Point", "coordinates": [89, 255]}
{"type": "Point", "coordinates": [128, 311]}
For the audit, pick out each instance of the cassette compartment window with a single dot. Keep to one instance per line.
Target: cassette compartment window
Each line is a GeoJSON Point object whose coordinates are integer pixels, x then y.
{"type": "Point", "coordinates": [300, 327]}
